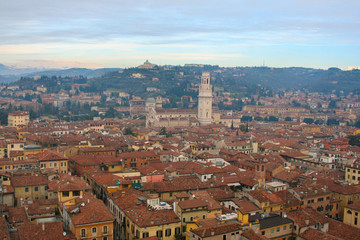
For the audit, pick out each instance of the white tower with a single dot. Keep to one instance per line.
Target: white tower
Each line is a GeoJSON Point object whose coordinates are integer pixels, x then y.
{"type": "Point", "coordinates": [205, 100]}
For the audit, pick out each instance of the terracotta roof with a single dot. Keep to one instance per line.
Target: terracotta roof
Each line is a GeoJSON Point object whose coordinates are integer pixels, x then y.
{"type": "Point", "coordinates": [144, 217]}
{"type": "Point", "coordinates": [17, 215]}
{"type": "Point", "coordinates": [314, 234]}
{"type": "Point", "coordinates": [50, 156]}
{"type": "Point", "coordinates": [22, 181]}
{"type": "Point", "coordinates": [192, 203]}
{"type": "Point", "coordinates": [245, 206]}
{"type": "Point", "coordinates": [342, 230]}
{"type": "Point", "coordinates": [307, 217]}
{"type": "Point", "coordinates": [44, 231]}
{"type": "Point", "coordinates": [216, 230]}
{"type": "Point", "coordinates": [90, 211]}
{"type": "Point", "coordinates": [4, 232]}
{"type": "Point", "coordinates": [354, 206]}
{"type": "Point", "coordinates": [95, 159]}
{"type": "Point", "coordinates": [68, 183]}
{"type": "Point", "coordinates": [251, 235]}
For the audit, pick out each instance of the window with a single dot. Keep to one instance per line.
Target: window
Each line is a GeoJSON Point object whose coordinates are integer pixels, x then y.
{"type": "Point", "coordinates": [65, 194]}
{"type": "Point", "coordinates": [36, 189]}
{"type": "Point", "coordinates": [355, 221]}
{"type": "Point", "coordinates": [284, 228]}
{"type": "Point", "coordinates": [177, 231]}
{"type": "Point", "coordinates": [224, 237]}
{"type": "Point", "coordinates": [105, 229]}
{"type": "Point", "coordinates": [159, 233]}
{"type": "Point", "coordinates": [291, 226]}
{"type": "Point", "coordinates": [93, 230]}
{"type": "Point", "coordinates": [76, 193]}
{"type": "Point", "coordinates": [184, 220]}
{"type": "Point", "coordinates": [55, 164]}
{"type": "Point", "coordinates": [43, 165]}
{"type": "Point", "coordinates": [83, 232]}
{"type": "Point", "coordinates": [278, 229]}
{"type": "Point", "coordinates": [168, 232]}
{"type": "Point", "coordinates": [262, 232]}
{"type": "Point", "coordinates": [26, 189]}
{"type": "Point", "coordinates": [272, 231]}
{"type": "Point", "coordinates": [105, 238]}
{"type": "Point", "coordinates": [145, 234]}
{"type": "Point", "coordinates": [137, 234]}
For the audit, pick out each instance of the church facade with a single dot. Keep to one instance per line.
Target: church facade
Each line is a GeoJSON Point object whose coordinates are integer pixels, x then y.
{"type": "Point", "coordinates": [175, 117]}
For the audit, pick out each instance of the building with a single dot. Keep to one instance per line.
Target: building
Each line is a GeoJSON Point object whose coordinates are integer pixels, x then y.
{"type": "Point", "coordinates": [205, 100]}
{"type": "Point", "coordinates": [18, 118]}
{"type": "Point", "coordinates": [29, 187]}
{"type": "Point", "coordinates": [352, 174]}
{"type": "Point", "coordinates": [88, 218]}
{"type": "Point", "coordinates": [67, 188]}
{"type": "Point", "coordinates": [52, 160]}
{"type": "Point", "coordinates": [352, 215]}
{"type": "Point", "coordinates": [157, 117]}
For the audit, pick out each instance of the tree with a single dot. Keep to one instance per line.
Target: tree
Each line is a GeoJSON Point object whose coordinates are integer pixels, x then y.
{"type": "Point", "coordinates": [128, 131]}
{"type": "Point", "coordinates": [258, 118]}
{"type": "Point", "coordinates": [319, 122]}
{"type": "Point", "coordinates": [271, 119]}
{"type": "Point", "coordinates": [332, 121]}
{"type": "Point", "coordinates": [288, 119]}
{"type": "Point", "coordinates": [163, 131]}
{"type": "Point", "coordinates": [332, 104]}
{"type": "Point", "coordinates": [354, 140]}
{"type": "Point", "coordinates": [246, 118]}
{"type": "Point", "coordinates": [308, 120]}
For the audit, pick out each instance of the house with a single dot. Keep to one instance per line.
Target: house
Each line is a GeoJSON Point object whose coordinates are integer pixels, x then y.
{"type": "Point", "coordinates": [43, 231]}
{"type": "Point", "coordinates": [29, 187]}
{"type": "Point", "coordinates": [67, 188]}
{"type": "Point", "coordinates": [351, 215]}
{"type": "Point", "coordinates": [79, 164]}
{"type": "Point", "coordinates": [146, 218]}
{"type": "Point", "coordinates": [51, 160]}
{"type": "Point", "coordinates": [266, 201]}
{"type": "Point", "coordinates": [275, 226]}
{"type": "Point", "coordinates": [223, 231]}
{"type": "Point", "coordinates": [87, 217]}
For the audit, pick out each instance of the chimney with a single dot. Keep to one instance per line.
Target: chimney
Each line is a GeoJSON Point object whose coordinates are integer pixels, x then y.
{"type": "Point", "coordinates": [43, 226]}
{"type": "Point", "coordinates": [307, 221]}
{"type": "Point", "coordinates": [212, 233]}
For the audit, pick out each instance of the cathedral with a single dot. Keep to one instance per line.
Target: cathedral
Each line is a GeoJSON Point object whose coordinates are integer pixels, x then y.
{"type": "Point", "coordinates": [175, 117]}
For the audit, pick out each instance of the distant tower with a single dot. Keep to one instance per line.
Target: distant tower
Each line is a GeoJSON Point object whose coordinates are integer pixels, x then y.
{"type": "Point", "coordinates": [205, 100]}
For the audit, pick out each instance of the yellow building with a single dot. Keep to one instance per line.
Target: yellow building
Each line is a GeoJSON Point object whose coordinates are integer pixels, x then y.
{"type": "Point", "coordinates": [67, 188]}
{"type": "Point", "coordinates": [18, 118]}
{"type": "Point", "coordinates": [51, 160]}
{"type": "Point", "coordinates": [10, 166]}
{"type": "Point", "coordinates": [352, 215]}
{"type": "Point", "coordinates": [190, 211]}
{"type": "Point", "coordinates": [276, 227]}
{"type": "Point", "coordinates": [29, 187]}
{"type": "Point", "coordinates": [138, 215]}
{"type": "Point", "coordinates": [352, 174]}
{"type": "Point", "coordinates": [88, 218]}
{"type": "Point", "coordinates": [267, 202]}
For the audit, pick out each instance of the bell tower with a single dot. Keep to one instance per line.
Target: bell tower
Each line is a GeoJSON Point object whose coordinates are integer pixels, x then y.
{"type": "Point", "coordinates": [205, 100]}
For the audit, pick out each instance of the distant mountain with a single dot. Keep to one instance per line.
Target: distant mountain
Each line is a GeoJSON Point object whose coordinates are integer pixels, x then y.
{"type": "Point", "coordinates": [73, 72]}
{"type": "Point", "coordinates": [12, 74]}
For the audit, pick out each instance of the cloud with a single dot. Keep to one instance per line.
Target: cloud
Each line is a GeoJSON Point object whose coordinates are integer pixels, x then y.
{"type": "Point", "coordinates": [103, 29]}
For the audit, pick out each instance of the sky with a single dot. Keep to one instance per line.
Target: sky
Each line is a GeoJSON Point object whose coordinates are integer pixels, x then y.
{"type": "Point", "coordinates": [117, 33]}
